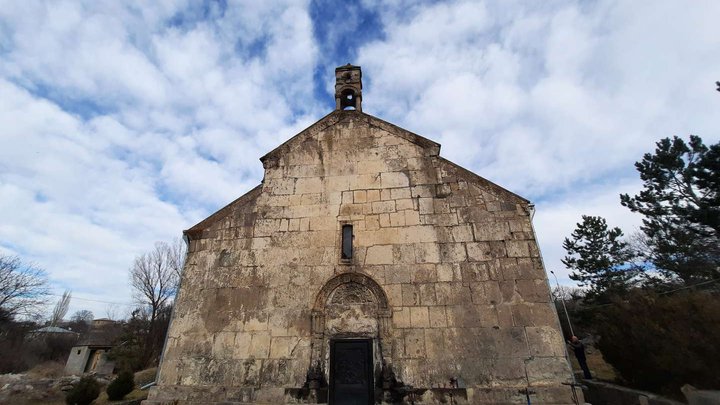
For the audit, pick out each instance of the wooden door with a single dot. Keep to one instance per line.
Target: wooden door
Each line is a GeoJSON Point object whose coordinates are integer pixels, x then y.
{"type": "Point", "coordinates": [351, 381]}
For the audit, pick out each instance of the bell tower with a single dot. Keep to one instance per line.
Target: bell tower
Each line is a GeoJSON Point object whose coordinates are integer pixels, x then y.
{"type": "Point", "coordinates": [348, 88]}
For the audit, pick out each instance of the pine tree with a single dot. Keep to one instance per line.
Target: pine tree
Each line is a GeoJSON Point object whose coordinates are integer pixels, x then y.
{"type": "Point", "coordinates": [681, 205]}
{"type": "Point", "coordinates": [599, 258]}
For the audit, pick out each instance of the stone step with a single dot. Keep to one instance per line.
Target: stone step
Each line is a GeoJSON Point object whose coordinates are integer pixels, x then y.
{"type": "Point", "coordinates": [180, 402]}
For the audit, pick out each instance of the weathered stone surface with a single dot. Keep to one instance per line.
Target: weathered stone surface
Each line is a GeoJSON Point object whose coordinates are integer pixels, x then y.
{"type": "Point", "coordinates": [444, 279]}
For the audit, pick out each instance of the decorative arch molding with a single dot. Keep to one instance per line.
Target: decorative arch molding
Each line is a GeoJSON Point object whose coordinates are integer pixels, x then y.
{"type": "Point", "coordinates": [351, 288]}
{"type": "Point", "coordinates": [322, 297]}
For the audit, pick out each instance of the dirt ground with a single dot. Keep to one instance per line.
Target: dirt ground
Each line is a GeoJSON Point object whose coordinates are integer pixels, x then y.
{"type": "Point", "coordinates": [43, 386]}
{"type": "Point", "coordinates": [599, 369]}
{"type": "Point", "coordinates": [40, 386]}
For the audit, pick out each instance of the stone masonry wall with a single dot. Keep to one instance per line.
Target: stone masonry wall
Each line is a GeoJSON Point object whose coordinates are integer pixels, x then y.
{"type": "Point", "coordinates": [454, 254]}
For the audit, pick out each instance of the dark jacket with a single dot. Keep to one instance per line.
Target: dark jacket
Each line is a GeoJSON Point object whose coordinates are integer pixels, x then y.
{"type": "Point", "coordinates": [578, 348]}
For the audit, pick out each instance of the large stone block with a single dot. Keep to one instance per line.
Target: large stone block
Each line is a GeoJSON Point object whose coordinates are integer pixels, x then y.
{"type": "Point", "coordinates": [424, 273]}
{"type": "Point", "coordinates": [259, 345]}
{"type": "Point", "coordinates": [526, 314]}
{"type": "Point", "coordinates": [452, 294]}
{"type": "Point", "coordinates": [533, 290]}
{"type": "Point", "coordinates": [517, 248]}
{"type": "Point", "coordinates": [394, 294]}
{"type": "Point", "coordinates": [434, 345]}
{"type": "Point", "coordinates": [475, 271]}
{"type": "Point", "coordinates": [437, 316]}
{"type": "Point", "coordinates": [223, 344]}
{"type": "Point", "coordinates": [419, 317]}
{"type": "Point", "coordinates": [427, 253]}
{"type": "Point", "coordinates": [282, 347]}
{"type": "Point", "coordinates": [415, 343]}
{"type": "Point", "coordinates": [399, 274]}
{"type": "Point", "coordinates": [401, 317]}
{"type": "Point", "coordinates": [411, 295]}
{"type": "Point", "coordinates": [545, 341]}
{"type": "Point", "coordinates": [489, 231]}
{"type": "Point", "coordinates": [448, 272]}
{"type": "Point", "coordinates": [380, 207]}
{"type": "Point", "coordinates": [382, 254]}
{"type": "Point", "coordinates": [416, 234]}
{"type": "Point", "coordinates": [462, 233]}
{"type": "Point", "coordinates": [544, 370]}
{"type": "Point", "coordinates": [428, 295]}
{"type": "Point", "coordinates": [452, 252]}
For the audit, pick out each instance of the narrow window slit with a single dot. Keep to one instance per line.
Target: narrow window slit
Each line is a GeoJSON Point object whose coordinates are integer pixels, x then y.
{"type": "Point", "coordinates": [347, 236]}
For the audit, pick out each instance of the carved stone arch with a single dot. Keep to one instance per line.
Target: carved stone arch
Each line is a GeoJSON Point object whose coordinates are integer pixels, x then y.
{"type": "Point", "coordinates": [350, 294]}
{"type": "Point", "coordinates": [322, 297]}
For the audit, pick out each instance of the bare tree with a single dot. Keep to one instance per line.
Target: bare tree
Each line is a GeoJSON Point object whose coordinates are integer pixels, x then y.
{"type": "Point", "coordinates": [61, 308]}
{"type": "Point", "coordinates": [112, 311]}
{"type": "Point", "coordinates": [83, 315]}
{"type": "Point", "coordinates": [177, 253]}
{"type": "Point", "coordinates": [80, 321]}
{"type": "Point", "coordinates": [154, 278]}
{"type": "Point", "coordinates": [563, 292]}
{"type": "Point", "coordinates": [23, 287]}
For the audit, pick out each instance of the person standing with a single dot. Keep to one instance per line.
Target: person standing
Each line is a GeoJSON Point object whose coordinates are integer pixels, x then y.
{"type": "Point", "coordinates": [579, 349]}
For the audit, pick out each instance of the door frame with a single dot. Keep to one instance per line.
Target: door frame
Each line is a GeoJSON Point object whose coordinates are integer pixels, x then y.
{"type": "Point", "coordinates": [369, 371]}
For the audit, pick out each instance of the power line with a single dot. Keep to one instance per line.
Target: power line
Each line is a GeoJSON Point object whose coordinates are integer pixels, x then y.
{"type": "Point", "coordinates": [715, 280]}
{"type": "Point", "coordinates": [88, 299]}
{"type": "Point", "coordinates": [691, 286]}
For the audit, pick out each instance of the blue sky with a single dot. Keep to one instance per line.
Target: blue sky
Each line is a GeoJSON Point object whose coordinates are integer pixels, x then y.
{"type": "Point", "coordinates": [122, 125]}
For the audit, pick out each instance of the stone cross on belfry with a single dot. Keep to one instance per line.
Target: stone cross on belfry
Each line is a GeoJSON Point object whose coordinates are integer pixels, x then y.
{"type": "Point", "coordinates": [348, 88]}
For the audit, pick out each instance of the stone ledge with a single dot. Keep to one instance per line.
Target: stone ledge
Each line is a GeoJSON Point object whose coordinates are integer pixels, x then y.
{"type": "Point", "coordinates": [187, 395]}
{"type": "Point", "coordinates": [601, 393]}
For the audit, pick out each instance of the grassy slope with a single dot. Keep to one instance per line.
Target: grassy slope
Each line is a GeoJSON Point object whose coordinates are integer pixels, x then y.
{"type": "Point", "coordinates": [56, 397]}
{"type": "Point", "coordinates": [599, 369]}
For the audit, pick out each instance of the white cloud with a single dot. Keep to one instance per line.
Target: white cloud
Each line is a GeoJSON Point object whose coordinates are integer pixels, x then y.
{"type": "Point", "coordinates": [120, 129]}
{"type": "Point", "coordinates": [550, 100]}
{"type": "Point", "coordinates": [601, 92]}
{"type": "Point", "coordinates": [556, 219]}
{"type": "Point", "coordinates": [122, 124]}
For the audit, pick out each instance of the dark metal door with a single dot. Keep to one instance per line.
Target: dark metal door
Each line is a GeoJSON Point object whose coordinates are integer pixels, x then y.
{"type": "Point", "coordinates": [351, 381]}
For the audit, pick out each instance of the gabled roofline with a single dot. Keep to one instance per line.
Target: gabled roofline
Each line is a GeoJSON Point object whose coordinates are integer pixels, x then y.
{"type": "Point", "coordinates": [404, 133]}
{"type": "Point", "coordinates": [483, 179]}
{"type": "Point", "coordinates": [325, 122]}
{"type": "Point", "coordinates": [318, 126]}
{"type": "Point", "coordinates": [338, 116]}
{"type": "Point", "coordinates": [202, 225]}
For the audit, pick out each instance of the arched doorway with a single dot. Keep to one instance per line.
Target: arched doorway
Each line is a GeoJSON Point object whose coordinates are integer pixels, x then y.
{"type": "Point", "coordinates": [350, 324]}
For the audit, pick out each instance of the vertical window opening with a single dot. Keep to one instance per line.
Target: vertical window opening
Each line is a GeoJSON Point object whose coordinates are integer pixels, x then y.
{"type": "Point", "coordinates": [347, 236]}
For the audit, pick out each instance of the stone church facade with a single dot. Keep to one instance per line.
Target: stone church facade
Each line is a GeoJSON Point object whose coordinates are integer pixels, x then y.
{"type": "Point", "coordinates": [364, 269]}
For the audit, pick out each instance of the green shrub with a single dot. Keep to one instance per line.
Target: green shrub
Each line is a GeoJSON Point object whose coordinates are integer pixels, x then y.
{"type": "Point", "coordinates": [84, 392]}
{"type": "Point", "coordinates": [659, 343]}
{"type": "Point", "coordinates": [122, 385]}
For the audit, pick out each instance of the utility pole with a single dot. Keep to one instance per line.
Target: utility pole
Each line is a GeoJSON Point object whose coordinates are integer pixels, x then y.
{"type": "Point", "coordinates": [562, 298]}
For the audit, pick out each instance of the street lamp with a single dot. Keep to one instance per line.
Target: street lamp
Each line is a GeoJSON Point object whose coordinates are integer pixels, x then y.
{"type": "Point", "coordinates": [562, 298]}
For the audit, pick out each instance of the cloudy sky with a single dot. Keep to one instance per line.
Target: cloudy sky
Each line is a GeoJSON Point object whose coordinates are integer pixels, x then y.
{"type": "Point", "coordinates": [122, 125]}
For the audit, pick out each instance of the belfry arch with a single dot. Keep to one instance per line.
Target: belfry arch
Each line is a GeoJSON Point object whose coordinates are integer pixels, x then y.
{"type": "Point", "coordinates": [348, 88]}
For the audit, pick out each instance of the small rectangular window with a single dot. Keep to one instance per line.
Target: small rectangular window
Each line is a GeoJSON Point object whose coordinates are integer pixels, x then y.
{"type": "Point", "coordinates": [347, 236]}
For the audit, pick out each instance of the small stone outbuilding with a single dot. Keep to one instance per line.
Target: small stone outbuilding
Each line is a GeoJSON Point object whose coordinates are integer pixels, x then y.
{"type": "Point", "coordinates": [90, 353]}
{"type": "Point", "coordinates": [364, 269]}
